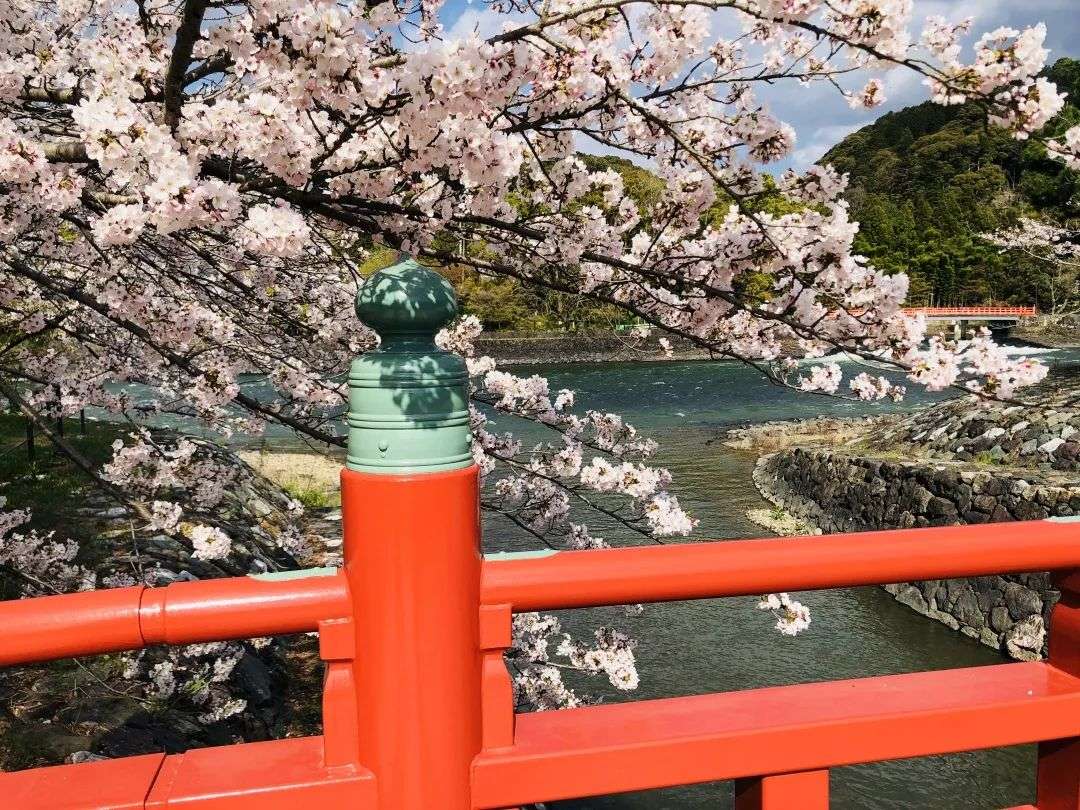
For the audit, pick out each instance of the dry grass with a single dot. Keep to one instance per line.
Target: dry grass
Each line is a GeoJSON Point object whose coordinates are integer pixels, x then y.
{"type": "Point", "coordinates": [309, 477]}
{"type": "Point", "coordinates": [820, 432]}
{"type": "Point", "coordinates": [780, 522]}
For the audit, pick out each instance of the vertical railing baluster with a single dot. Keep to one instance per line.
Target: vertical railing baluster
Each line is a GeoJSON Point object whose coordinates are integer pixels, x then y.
{"type": "Point", "coordinates": [808, 790]}
{"type": "Point", "coordinates": [1059, 760]}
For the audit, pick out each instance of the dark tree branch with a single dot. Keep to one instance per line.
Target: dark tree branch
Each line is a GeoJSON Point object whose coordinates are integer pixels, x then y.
{"type": "Point", "coordinates": [186, 36]}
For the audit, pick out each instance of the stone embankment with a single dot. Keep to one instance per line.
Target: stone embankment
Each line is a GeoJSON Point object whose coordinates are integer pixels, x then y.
{"type": "Point", "coordinates": [961, 463]}
{"type": "Point", "coordinates": [837, 492]}
{"type": "Point", "coordinates": [1044, 438]}
{"type": "Point", "coordinates": [1052, 331]}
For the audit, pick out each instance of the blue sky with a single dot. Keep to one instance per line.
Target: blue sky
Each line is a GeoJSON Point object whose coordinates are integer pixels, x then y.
{"type": "Point", "coordinates": [820, 116]}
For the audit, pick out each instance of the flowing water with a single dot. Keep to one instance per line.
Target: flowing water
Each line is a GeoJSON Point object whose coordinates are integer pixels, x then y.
{"type": "Point", "coordinates": [717, 645]}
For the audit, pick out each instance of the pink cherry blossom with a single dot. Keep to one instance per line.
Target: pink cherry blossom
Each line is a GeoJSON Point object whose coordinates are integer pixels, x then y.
{"type": "Point", "coordinates": [179, 211]}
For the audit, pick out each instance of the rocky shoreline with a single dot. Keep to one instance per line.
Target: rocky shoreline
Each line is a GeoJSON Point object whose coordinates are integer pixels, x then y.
{"type": "Point", "coordinates": [280, 682]}
{"type": "Point", "coordinates": [1050, 331]}
{"type": "Point", "coordinates": [952, 464]}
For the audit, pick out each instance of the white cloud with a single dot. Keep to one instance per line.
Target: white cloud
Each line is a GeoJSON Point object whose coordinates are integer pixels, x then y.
{"type": "Point", "coordinates": [824, 139]}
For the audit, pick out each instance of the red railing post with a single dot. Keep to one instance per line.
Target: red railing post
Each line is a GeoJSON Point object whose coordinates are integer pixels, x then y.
{"type": "Point", "coordinates": [410, 507]}
{"type": "Point", "coordinates": [807, 791]}
{"type": "Point", "coordinates": [1059, 760]}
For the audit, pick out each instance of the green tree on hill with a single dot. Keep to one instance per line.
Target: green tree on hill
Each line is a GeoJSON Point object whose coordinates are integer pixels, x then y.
{"type": "Point", "coordinates": [927, 180]}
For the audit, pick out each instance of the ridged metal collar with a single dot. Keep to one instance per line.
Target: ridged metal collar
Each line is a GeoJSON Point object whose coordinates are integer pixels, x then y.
{"type": "Point", "coordinates": [408, 399]}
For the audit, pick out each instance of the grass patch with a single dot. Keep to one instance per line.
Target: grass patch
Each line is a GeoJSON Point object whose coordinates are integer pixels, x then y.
{"type": "Point", "coordinates": [869, 450]}
{"type": "Point", "coordinates": [987, 459]}
{"type": "Point", "coordinates": [312, 479]}
{"type": "Point", "coordinates": [49, 484]}
{"type": "Point", "coordinates": [312, 496]}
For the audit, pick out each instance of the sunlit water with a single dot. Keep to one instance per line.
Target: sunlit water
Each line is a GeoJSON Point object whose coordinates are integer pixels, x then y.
{"type": "Point", "coordinates": [706, 646]}
{"type": "Point", "coordinates": [715, 645]}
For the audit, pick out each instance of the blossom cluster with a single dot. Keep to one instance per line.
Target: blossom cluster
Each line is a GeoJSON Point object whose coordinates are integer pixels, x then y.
{"type": "Point", "coordinates": [542, 483]}
{"type": "Point", "coordinates": [1055, 248]}
{"type": "Point", "coordinates": [1067, 148]}
{"type": "Point", "coordinates": [43, 564]}
{"type": "Point", "coordinates": [792, 617]}
{"type": "Point", "coordinates": [536, 667]}
{"type": "Point", "coordinates": [165, 473]}
{"type": "Point", "coordinates": [200, 675]}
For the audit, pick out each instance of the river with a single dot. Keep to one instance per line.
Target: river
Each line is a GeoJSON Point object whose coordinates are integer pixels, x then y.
{"type": "Point", "coordinates": [717, 645]}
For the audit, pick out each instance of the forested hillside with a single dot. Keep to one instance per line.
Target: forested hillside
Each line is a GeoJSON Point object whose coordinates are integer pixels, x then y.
{"type": "Point", "coordinates": [926, 180]}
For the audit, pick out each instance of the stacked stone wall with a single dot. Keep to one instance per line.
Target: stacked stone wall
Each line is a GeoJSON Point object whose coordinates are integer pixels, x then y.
{"type": "Point", "coordinates": [1046, 438]}
{"type": "Point", "coordinates": [843, 493]}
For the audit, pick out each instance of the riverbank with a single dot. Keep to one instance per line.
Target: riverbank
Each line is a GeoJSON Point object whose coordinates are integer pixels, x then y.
{"type": "Point", "coordinates": [530, 349]}
{"type": "Point", "coordinates": [1050, 331]}
{"type": "Point", "coordinates": [100, 707]}
{"type": "Point", "coordinates": [963, 462]}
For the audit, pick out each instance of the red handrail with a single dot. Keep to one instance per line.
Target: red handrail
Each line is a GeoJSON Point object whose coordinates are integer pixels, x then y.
{"type": "Point", "coordinates": [94, 622]}
{"type": "Point", "coordinates": [573, 579]}
{"type": "Point", "coordinates": [1004, 311]}
{"type": "Point", "coordinates": [51, 627]}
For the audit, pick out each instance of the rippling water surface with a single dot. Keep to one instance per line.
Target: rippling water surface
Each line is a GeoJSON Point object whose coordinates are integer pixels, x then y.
{"type": "Point", "coordinates": [705, 646]}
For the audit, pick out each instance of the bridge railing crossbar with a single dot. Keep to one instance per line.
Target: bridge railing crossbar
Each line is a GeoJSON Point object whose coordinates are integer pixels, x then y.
{"type": "Point", "coordinates": [960, 312]}
{"type": "Point", "coordinates": [518, 747]}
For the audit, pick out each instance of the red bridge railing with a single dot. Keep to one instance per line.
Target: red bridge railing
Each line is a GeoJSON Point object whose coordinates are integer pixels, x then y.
{"type": "Point", "coordinates": [973, 312]}
{"type": "Point", "coordinates": [778, 742]}
{"type": "Point", "coordinates": [418, 706]}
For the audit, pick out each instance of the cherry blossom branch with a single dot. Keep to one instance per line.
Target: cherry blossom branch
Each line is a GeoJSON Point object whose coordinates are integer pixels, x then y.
{"type": "Point", "coordinates": [180, 59]}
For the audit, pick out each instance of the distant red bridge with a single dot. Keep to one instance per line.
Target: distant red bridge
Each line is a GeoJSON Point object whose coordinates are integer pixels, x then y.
{"type": "Point", "coordinates": [973, 313]}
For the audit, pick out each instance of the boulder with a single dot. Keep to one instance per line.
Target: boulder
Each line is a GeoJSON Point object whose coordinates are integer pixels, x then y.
{"type": "Point", "coordinates": [967, 610]}
{"type": "Point", "coordinates": [1025, 639]}
{"type": "Point", "coordinates": [1051, 446]}
{"type": "Point", "coordinates": [1022, 602]}
{"type": "Point", "coordinates": [941, 508]}
{"type": "Point", "coordinates": [1000, 619]}
{"type": "Point", "coordinates": [911, 596]}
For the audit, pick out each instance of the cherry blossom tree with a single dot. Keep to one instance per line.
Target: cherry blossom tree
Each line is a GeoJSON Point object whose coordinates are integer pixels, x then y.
{"type": "Point", "coordinates": [189, 187]}
{"type": "Point", "coordinates": [1057, 249]}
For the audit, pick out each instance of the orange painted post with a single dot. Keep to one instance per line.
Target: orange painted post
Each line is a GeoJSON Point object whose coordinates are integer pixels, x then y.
{"type": "Point", "coordinates": [410, 504]}
{"type": "Point", "coordinates": [1059, 760]}
{"type": "Point", "coordinates": [806, 791]}
{"type": "Point", "coordinates": [337, 648]}
{"type": "Point", "coordinates": [496, 689]}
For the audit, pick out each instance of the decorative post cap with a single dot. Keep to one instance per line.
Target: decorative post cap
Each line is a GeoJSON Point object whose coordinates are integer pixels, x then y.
{"type": "Point", "coordinates": [408, 399]}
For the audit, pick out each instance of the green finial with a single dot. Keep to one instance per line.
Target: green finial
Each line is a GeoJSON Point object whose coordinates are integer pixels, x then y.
{"type": "Point", "coordinates": [408, 405]}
